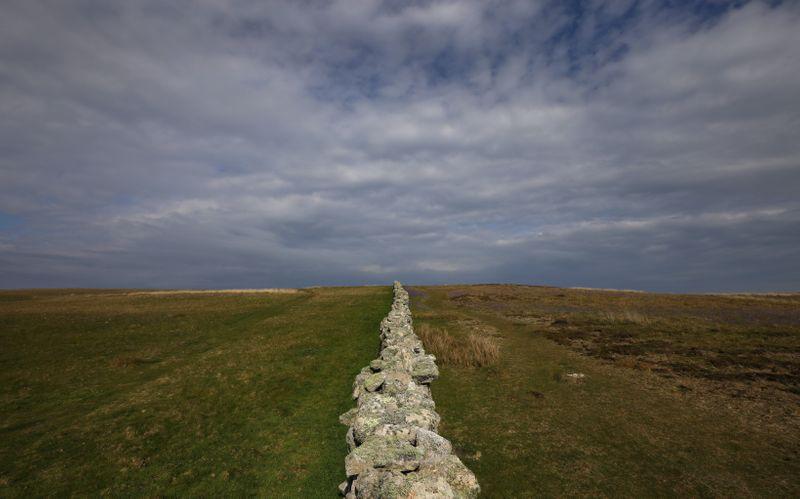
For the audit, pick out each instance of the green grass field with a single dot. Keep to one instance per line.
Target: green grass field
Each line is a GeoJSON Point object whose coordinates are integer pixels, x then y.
{"type": "Point", "coordinates": [116, 394]}
{"type": "Point", "coordinates": [682, 396]}
{"type": "Point", "coordinates": [134, 394]}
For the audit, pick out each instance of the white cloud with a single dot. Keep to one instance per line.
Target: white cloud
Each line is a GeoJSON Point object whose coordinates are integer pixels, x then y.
{"type": "Point", "coordinates": [332, 143]}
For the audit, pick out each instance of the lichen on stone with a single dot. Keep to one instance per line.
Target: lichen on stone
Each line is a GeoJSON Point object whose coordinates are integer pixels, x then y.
{"type": "Point", "coordinates": [394, 450]}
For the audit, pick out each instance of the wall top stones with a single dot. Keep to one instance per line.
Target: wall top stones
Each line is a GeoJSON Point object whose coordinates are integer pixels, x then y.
{"type": "Point", "coordinates": [394, 448]}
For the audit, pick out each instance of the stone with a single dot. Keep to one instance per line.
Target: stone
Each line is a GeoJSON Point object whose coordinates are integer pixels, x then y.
{"type": "Point", "coordinates": [386, 453]}
{"type": "Point", "coordinates": [575, 378]}
{"type": "Point", "coordinates": [423, 418]}
{"type": "Point", "coordinates": [448, 479]}
{"type": "Point", "coordinates": [415, 486]}
{"type": "Point", "coordinates": [350, 439]}
{"type": "Point", "coordinates": [461, 480]}
{"type": "Point", "coordinates": [397, 382]}
{"type": "Point", "coordinates": [393, 447]}
{"type": "Point", "coordinates": [368, 484]}
{"type": "Point", "coordinates": [411, 395]}
{"type": "Point", "coordinates": [358, 383]}
{"type": "Point", "coordinates": [348, 417]}
{"type": "Point", "coordinates": [399, 431]}
{"type": "Point", "coordinates": [424, 369]}
{"type": "Point", "coordinates": [434, 446]}
{"type": "Point", "coordinates": [374, 382]}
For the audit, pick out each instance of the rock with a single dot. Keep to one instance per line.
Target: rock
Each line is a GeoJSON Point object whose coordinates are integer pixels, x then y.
{"type": "Point", "coordinates": [399, 431]}
{"type": "Point", "coordinates": [411, 396]}
{"type": "Point", "coordinates": [374, 382]}
{"type": "Point", "coordinates": [358, 383]}
{"type": "Point", "coordinates": [348, 417]}
{"type": "Point", "coordinates": [424, 370]}
{"type": "Point", "coordinates": [365, 425]}
{"type": "Point", "coordinates": [415, 486]}
{"type": "Point", "coordinates": [434, 446]}
{"type": "Point", "coordinates": [394, 450]}
{"type": "Point", "coordinates": [397, 382]}
{"type": "Point", "coordinates": [423, 418]}
{"type": "Point", "coordinates": [386, 453]}
{"type": "Point", "coordinates": [368, 484]}
{"type": "Point", "coordinates": [575, 377]}
{"type": "Point", "coordinates": [451, 470]}
{"type": "Point", "coordinates": [350, 439]}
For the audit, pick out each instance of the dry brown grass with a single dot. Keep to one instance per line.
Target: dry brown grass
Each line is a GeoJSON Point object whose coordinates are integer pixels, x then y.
{"type": "Point", "coordinates": [626, 317]}
{"type": "Point", "coordinates": [682, 395]}
{"type": "Point", "coordinates": [482, 350]}
{"type": "Point", "coordinates": [214, 291]}
{"type": "Point", "coordinates": [475, 350]}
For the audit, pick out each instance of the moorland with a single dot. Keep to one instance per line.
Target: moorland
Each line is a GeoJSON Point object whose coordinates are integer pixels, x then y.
{"type": "Point", "coordinates": [543, 391]}
{"type": "Point", "coordinates": [617, 393]}
{"type": "Point", "coordinates": [125, 393]}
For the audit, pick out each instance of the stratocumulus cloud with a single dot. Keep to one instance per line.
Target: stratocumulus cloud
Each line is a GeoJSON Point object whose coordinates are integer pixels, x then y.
{"type": "Point", "coordinates": [237, 143]}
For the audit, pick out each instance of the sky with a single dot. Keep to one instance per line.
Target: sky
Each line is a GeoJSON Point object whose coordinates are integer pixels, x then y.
{"type": "Point", "coordinates": [245, 143]}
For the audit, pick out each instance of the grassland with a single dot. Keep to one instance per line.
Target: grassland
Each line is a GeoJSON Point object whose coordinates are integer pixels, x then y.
{"type": "Point", "coordinates": [114, 393]}
{"type": "Point", "coordinates": [604, 393]}
{"type": "Point", "coordinates": [544, 392]}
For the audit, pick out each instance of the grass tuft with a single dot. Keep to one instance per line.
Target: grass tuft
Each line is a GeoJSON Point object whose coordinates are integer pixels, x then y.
{"type": "Point", "coordinates": [473, 351]}
{"type": "Point", "coordinates": [626, 317]}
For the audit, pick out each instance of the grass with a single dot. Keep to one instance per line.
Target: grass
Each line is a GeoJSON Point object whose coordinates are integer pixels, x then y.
{"type": "Point", "coordinates": [625, 317]}
{"type": "Point", "coordinates": [112, 393]}
{"type": "Point", "coordinates": [544, 392]}
{"type": "Point", "coordinates": [474, 350]}
{"type": "Point", "coordinates": [606, 393]}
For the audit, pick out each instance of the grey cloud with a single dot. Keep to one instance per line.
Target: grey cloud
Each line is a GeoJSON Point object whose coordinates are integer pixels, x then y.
{"type": "Point", "coordinates": [237, 143]}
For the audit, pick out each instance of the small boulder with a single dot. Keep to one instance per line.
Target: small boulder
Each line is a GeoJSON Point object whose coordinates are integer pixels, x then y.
{"type": "Point", "coordinates": [424, 369]}
{"type": "Point", "coordinates": [373, 382]}
{"type": "Point", "coordinates": [399, 431]}
{"type": "Point", "coordinates": [348, 417]}
{"type": "Point", "coordinates": [434, 446]}
{"type": "Point", "coordinates": [386, 453]}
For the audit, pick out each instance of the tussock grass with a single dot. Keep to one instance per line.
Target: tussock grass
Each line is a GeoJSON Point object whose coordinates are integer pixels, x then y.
{"type": "Point", "coordinates": [626, 317]}
{"type": "Point", "coordinates": [474, 350]}
{"type": "Point", "coordinates": [482, 350]}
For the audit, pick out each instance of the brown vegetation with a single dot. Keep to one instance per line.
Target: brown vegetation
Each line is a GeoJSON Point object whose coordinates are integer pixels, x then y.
{"type": "Point", "coordinates": [625, 317]}
{"type": "Point", "coordinates": [745, 348]}
{"type": "Point", "coordinates": [214, 291]}
{"type": "Point", "coordinates": [474, 350]}
{"type": "Point", "coordinates": [605, 393]}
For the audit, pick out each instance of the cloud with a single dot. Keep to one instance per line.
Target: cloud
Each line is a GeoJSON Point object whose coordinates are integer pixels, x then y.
{"type": "Point", "coordinates": [243, 144]}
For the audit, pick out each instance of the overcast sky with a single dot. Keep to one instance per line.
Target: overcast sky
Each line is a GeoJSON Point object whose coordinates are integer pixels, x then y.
{"type": "Point", "coordinates": [247, 143]}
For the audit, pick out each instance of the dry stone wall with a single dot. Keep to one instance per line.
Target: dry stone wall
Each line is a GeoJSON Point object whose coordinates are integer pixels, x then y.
{"type": "Point", "coordinates": [394, 448]}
